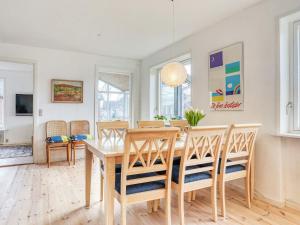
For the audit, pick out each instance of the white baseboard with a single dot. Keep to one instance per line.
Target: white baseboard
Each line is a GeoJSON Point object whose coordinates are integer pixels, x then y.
{"type": "Point", "coordinates": [259, 196]}
{"type": "Point", "coordinates": [293, 205]}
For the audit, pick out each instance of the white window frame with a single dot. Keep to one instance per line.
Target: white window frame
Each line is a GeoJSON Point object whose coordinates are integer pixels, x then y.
{"type": "Point", "coordinates": [108, 93]}
{"type": "Point", "coordinates": [177, 108]}
{"type": "Point", "coordinates": [295, 72]}
{"type": "Point", "coordinates": [98, 71]}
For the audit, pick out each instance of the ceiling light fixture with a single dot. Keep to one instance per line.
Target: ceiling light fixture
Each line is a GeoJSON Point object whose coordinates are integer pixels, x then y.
{"type": "Point", "coordinates": [173, 73]}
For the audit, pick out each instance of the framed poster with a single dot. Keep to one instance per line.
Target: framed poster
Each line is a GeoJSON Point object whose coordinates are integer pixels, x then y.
{"type": "Point", "coordinates": [226, 78]}
{"type": "Point", "coordinates": [66, 91]}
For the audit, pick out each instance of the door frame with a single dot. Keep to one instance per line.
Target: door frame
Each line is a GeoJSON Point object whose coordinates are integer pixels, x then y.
{"type": "Point", "coordinates": [35, 101]}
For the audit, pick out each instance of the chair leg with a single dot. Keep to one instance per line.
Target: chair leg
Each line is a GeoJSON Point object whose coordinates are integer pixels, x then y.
{"type": "Point", "coordinates": [68, 153]}
{"type": "Point", "coordinates": [150, 206]}
{"type": "Point", "coordinates": [48, 156]}
{"type": "Point", "coordinates": [247, 191]}
{"type": "Point", "coordinates": [214, 202]}
{"type": "Point", "coordinates": [101, 186]}
{"type": "Point", "coordinates": [156, 205]}
{"type": "Point", "coordinates": [74, 154]}
{"type": "Point", "coordinates": [123, 214]}
{"type": "Point", "coordinates": [189, 196]}
{"type": "Point", "coordinates": [222, 197]}
{"type": "Point", "coordinates": [181, 207]}
{"type": "Point", "coordinates": [168, 208]}
{"type": "Point", "coordinates": [194, 193]}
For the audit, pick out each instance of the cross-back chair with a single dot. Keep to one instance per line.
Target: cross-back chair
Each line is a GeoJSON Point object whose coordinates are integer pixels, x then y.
{"type": "Point", "coordinates": [146, 168]}
{"type": "Point", "coordinates": [56, 128]}
{"type": "Point", "coordinates": [110, 131]}
{"type": "Point", "coordinates": [199, 165]}
{"type": "Point", "coordinates": [78, 127]}
{"type": "Point", "coordinates": [151, 124]}
{"type": "Point", "coordinates": [236, 158]}
{"type": "Point", "coordinates": [182, 124]}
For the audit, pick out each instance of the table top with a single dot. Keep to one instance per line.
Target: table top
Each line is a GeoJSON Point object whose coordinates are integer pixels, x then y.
{"type": "Point", "coordinates": [114, 148]}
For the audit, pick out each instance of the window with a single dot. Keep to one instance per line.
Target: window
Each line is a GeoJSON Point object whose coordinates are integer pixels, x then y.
{"type": "Point", "coordinates": [2, 109]}
{"type": "Point", "coordinates": [174, 101]}
{"type": "Point", "coordinates": [296, 75]}
{"type": "Point", "coordinates": [113, 100]}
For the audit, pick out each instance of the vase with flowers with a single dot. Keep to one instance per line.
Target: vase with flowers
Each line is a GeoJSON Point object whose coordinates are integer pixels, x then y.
{"type": "Point", "coordinates": [193, 116]}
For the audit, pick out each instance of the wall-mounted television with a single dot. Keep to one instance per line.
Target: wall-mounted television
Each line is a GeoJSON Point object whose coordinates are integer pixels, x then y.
{"type": "Point", "coordinates": [24, 104]}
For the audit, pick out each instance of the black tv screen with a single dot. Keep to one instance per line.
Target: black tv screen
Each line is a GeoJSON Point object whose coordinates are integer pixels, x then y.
{"type": "Point", "coordinates": [24, 104]}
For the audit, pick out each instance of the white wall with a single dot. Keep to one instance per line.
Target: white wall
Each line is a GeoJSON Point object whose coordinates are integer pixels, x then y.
{"type": "Point", "coordinates": [59, 64]}
{"type": "Point", "coordinates": [19, 128]}
{"type": "Point", "coordinates": [257, 27]}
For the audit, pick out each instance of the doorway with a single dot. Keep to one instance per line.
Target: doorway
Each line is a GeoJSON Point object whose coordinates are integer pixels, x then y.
{"type": "Point", "coordinates": [16, 113]}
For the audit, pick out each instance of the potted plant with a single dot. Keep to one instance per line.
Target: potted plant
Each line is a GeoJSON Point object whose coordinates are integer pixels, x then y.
{"type": "Point", "coordinates": [193, 116]}
{"type": "Point", "coordinates": [160, 117]}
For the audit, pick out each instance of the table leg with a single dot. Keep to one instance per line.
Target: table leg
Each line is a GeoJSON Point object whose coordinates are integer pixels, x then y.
{"type": "Point", "coordinates": [109, 190]}
{"type": "Point", "coordinates": [88, 176]}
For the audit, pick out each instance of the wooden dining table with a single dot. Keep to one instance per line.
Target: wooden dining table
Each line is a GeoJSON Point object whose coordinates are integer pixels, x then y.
{"type": "Point", "coordinates": [110, 152]}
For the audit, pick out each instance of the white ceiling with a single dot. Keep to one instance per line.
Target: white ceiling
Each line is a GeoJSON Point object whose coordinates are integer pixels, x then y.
{"type": "Point", "coordinates": [129, 28]}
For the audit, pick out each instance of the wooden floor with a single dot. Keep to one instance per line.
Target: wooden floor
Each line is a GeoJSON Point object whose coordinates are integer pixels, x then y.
{"type": "Point", "coordinates": [34, 194]}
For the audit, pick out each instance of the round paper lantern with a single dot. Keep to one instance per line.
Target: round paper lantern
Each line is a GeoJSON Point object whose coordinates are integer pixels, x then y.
{"type": "Point", "coordinates": [173, 74]}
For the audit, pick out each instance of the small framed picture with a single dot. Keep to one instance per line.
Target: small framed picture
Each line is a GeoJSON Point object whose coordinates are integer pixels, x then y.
{"type": "Point", "coordinates": [66, 91]}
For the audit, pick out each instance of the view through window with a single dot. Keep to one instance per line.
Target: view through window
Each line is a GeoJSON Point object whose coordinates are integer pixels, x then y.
{"type": "Point", "coordinates": [113, 98]}
{"type": "Point", "coordinates": [174, 101]}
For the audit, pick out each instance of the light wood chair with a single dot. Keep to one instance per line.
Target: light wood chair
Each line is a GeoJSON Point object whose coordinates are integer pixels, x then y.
{"type": "Point", "coordinates": [236, 158]}
{"type": "Point", "coordinates": [150, 124]}
{"type": "Point", "coordinates": [198, 167]}
{"type": "Point", "coordinates": [108, 130]}
{"type": "Point", "coordinates": [146, 176]}
{"type": "Point", "coordinates": [56, 128]}
{"type": "Point", "coordinates": [182, 124]}
{"type": "Point", "coordinates": [78, 127]}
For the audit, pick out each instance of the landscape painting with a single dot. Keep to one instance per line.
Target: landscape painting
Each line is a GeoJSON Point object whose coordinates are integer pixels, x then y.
{"type": "Point", "coordinates": [67, 91]}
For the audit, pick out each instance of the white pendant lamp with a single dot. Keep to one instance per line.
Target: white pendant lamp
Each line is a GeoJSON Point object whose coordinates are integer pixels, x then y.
{"type": "Point", "coordinates": [173, 74]}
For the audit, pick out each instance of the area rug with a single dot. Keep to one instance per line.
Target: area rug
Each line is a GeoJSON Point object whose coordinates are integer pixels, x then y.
{"type": "Point", "coordinates": [14, 151]}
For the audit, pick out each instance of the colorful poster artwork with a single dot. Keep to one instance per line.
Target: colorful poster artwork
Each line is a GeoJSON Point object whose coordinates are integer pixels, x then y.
{"type": "Point", "coordinates": [226, 78]}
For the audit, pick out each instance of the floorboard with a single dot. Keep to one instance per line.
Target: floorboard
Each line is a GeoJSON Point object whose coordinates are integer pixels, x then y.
{"type": "Point", "coordinates": [35, 195]}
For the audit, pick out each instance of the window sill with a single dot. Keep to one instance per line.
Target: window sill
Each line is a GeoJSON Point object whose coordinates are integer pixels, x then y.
{"type": "Point", "coordinates": [288, 135]}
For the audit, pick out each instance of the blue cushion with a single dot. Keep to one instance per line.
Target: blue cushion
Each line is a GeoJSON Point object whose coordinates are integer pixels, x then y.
{"type": "Point", "coordinates": [137, 188]}
{"type": "Point", "coordinates": [235, 168]}
{"type": "Point", "coordinates": [81, 137]}
{"type": "Point", "coordinates": [58, 139]}
{"type": "Point", "coordinates": [231, 169]}
{"type": "Point", "coordinates": [191, 177]}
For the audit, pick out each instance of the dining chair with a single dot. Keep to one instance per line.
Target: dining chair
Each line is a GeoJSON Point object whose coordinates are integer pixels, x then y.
{"type": "Point", "coordinates": [236, 159]}
{"type": "Point", "coordinates": [56, 128]}
{"type": "Point", "coordinates": [182, 124]}
{"type": "Point", "coordinates": [78, 127]}
{"type": "Point", "coordinates": [110, 131]}
{"type": "Point", "coordinates": [198, 167]}
{"type": "Point", "coordinates": [150, 124]}
{"type": "Point", "coordinates": [146, 168]}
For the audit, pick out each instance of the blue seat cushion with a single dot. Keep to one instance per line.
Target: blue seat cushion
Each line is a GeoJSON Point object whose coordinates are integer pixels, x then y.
{"type": "Point", "coordinates": [191, 177]}
{"type": "Point", "coordinates": [235, 168]}
{"type": "Point", "coordinates": [231, 169]}
{"type": "Point", "coordinates": [137, 188]}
